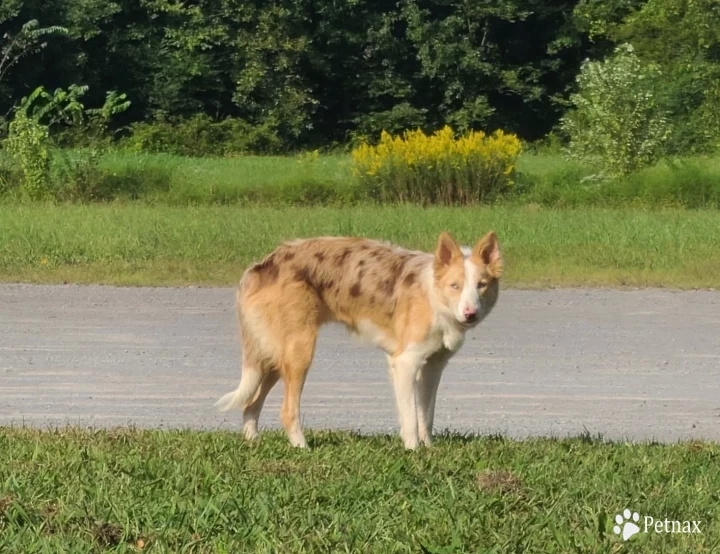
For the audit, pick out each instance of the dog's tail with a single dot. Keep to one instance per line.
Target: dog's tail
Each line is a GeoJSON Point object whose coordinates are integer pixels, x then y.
{"type": "Point", "coordinates": [252, 374]}
{"type": "Point", "coordinates": [243, 395]}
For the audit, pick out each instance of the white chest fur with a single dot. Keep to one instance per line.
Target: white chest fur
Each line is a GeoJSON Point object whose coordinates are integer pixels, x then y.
{"type": "Point", "coordinates": [453, 337]}
{"type": "Point", "coordinates": [443, 335]}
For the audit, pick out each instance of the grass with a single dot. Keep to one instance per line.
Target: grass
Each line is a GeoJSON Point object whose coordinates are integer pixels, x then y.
{"type": "Point", "coordinates": [177, 180]}
{"type": "Point", "coordinates": [131, 244]}
{"type": "Point", "coordinates": [143, 245]}
{"type": "Point", "coordinates": [201, 221]}
{"type": "Point", "coordinates": [127, 490]}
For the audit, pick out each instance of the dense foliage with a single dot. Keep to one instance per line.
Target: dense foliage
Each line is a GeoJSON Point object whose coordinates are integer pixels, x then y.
{"type": "Point", "coordinates": [622, 83]}
{"type": "Point", "coordinates": [682, 39]}
{"type": "Point", "coordinates": [38, 168]}
{"type": "Point", "coordinates": [305, 72]}
{"type": "Point", "coordinates": [297, 73]}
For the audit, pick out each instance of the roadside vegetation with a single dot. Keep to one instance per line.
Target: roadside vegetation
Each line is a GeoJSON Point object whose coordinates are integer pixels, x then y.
{"type": "Point", "coordinates": [457, 115]}
{"type": "Point", "coordinates": [543, 177]}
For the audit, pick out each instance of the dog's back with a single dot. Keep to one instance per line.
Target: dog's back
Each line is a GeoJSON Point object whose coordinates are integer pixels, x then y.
{"type": "Point", "coordinates": [335, 279]}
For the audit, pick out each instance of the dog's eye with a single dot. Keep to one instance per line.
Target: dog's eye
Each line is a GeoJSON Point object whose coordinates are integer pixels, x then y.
{"type": "Point", "coordinates": [453, 285]}
{"type": "Point", "coordinates": [482, 284]}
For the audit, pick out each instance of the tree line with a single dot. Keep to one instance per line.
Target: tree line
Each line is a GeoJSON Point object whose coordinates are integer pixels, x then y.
{"type": "Point", "coordinates": [319, 72]}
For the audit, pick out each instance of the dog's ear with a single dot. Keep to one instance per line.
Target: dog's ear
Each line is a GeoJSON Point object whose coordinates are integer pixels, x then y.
{"type": "Point", "coordinates": [487, 251]}
{"type": "Point", "coordinates": [447, 251]}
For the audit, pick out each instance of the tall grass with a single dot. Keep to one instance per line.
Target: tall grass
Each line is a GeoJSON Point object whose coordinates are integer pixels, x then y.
{"type": "Point", "coordinates": [551, 180]}
{"type": "Point", "coordinates": [545, 179]}
{"type": "Point", "coordinates": [247, 179]}
{"type": "Point", "coordinates": [181, 181]}
{"type": "Point", "coordinates": [136, 244]}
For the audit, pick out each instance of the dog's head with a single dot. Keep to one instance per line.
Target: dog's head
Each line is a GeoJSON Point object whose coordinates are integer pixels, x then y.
{"type": "Point", "coordinates": [467, 280]}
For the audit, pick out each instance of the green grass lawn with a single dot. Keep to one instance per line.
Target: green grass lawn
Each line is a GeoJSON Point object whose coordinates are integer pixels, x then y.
{"type": "Point", "coordinates": [172, 491]}
{"type": "Point", "coordinates": [134, 244]}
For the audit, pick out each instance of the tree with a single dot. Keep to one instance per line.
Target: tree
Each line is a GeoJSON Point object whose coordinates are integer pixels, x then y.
{"type": "Point", "coordinates": [28, 40]}
{"type": "Point", "coordinates": [313, 71]}
{"type": "Point", "coordinates": [682, 38]}
{"type": "Point", "coordinates": [616, 120]}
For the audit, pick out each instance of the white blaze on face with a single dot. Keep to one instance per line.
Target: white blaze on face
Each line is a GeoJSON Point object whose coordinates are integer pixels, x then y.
{"type": "Point", "coordinates": [469, 298]}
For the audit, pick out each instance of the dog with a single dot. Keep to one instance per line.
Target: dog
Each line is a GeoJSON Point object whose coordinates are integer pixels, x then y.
{"type": "Point", "coordinates": [415, 306]}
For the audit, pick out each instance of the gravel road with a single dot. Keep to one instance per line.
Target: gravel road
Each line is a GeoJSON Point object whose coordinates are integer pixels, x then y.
{"type": "Point", "coordinates": [637, 364]}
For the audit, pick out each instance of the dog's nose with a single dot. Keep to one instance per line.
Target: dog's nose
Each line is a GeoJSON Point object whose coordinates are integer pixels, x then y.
{"type": "Point", "coordinates": [470, 314]}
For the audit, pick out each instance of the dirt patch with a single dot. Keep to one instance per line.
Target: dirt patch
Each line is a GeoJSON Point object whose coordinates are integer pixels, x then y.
{"type": "Point", "coordinates": [501, 481]}
{"type": "Point", "coordinates": [108, 534]}
{"type": "Point", "coordinates": [48, 512]}
{"type": "Point", "coordinates": [5, 503]}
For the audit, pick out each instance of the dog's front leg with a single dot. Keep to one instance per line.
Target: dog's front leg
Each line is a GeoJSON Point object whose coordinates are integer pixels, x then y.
{"type": "Point", "coordinates": [404, 368]}
{"type": "Point", "coordinates": [427, 387]}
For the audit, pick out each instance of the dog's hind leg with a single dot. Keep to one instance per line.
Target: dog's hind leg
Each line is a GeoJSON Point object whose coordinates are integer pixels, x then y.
{"type": "Point", "coordinates": [427, 387]}
{"type": "Point", "coordinates": [251, 413]}
{"type": "Point", "coordinates": [294, 368]}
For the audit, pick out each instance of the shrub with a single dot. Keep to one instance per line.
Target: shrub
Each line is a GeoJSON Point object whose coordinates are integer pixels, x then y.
{"type": "Point", "coordinates": [46, 174]}
{"type": "Point", "coordinates": [10, 177]}
{"type": "Point", "coordinates": [201, 136]}
{"type": "Point", "coordinates": [438, 168]}
{"type": "Point", "coordinates": [707, 117]}
{"type": "Point", "coordinates": [617, 121]}
{"type": "Point", "coordinates": [689, 182]}
{"type": "Point", "coordinates": [28, 144]}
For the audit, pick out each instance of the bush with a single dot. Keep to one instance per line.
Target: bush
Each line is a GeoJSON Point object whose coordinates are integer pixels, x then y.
{"type": "Point", "coordinates": [691, 183]}
{"type": "Point", "coordinates": [437, 169]}
{"type": "Point", "coordinates": [78, 175]}
{"type": "Point", "coordinates": [395, 120]}
{"type": "Point", "coordinates": [28, 144]}
{"type": "Point", "coordinates": [617, 122]}
{"type": "Point", "coordinates": [201, 136]}
{"type": "Point", "coordinates": [46, 171]}
{"type": "Point", "coordinates": [132, 182]}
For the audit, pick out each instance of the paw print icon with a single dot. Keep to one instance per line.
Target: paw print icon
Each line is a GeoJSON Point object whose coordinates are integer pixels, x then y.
{"type": "Point", "coordinates": [627, 524]}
